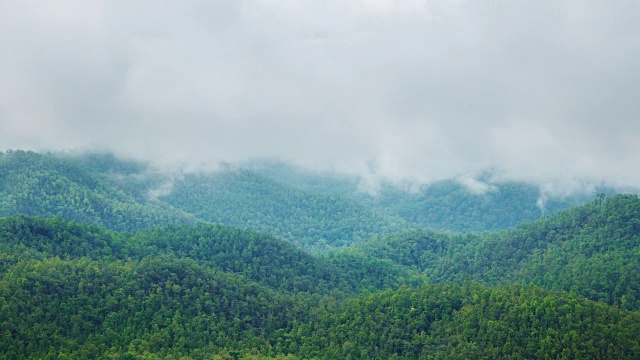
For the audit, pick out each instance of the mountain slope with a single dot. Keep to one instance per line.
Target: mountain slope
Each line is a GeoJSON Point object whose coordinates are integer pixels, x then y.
{"type": "Point", "coordinates": [103, 190]}
{"type": "Point", "coordinates": [95, 309]}
{"type": "Point", "coordinates": [259, 257]}
{"type": "Point", "coordinates": [449, 205]}
{"type": "Point", "coordinates": [244, 198]}
{"type": "Point", "coordinates": [467, 322]}
{"type": "Point", "coordinates": [92, 189]}
{"type": "Point", "coordinates": [211, 291]}
{"type": "Point", "coordinates": [592, 250]}
{"type": "Point", "coordinates": [463, 204]}
{"type": "Point", "coordinates": [173, 308]}
{"type": "Point", "coordinates": [317, 211]}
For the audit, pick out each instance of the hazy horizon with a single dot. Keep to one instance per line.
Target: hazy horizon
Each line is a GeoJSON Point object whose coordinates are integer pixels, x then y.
{"type": "Point", "coordinates": [543, 91]}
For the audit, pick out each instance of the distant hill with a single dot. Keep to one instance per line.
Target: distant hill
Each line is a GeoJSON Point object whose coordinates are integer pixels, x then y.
{"type": "Point", "coordinates": [315, 211]}
{"type": "Point", "coordinates": [103, 190]}
{"type": "Point", "coordinates": [94, 189]}
{"type": "Point", "coordinates": [592, 250]}
{"type": "Point", "coordinates": [447, 205]}
{"type": "Point", "coordinates": [245, 198]}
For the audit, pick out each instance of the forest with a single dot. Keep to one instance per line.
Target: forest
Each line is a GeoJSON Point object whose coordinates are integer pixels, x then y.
{"type": "Point", "coordinates": [102, 257]}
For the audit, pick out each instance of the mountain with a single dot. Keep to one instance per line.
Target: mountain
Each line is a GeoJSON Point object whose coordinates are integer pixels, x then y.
{"type": "Point", "coordinates": [94, 189]}
{"type": "Point", "coordinates": [466, 322]}
{"type": "Point", "coordinates": [449, 205]}
{"type": "Point", "coordinates": [103, 190]}
{"type": "Point", "coordinates": [258, 257]}
{"type": "Point", "coordinates": [317, 211]}
{"type": "Point", "coordinates": [80, 308]}
{"type": "Point", "coordinates": [77, 291]}
{"type": "Point", "coordinates": [477, 204]}
{"type": "Point", "coordinates": [147, 268]}
{"type": "Point", "coordinates": [244, 198]}
{"type": "Point", "coordinates": [592, 250]}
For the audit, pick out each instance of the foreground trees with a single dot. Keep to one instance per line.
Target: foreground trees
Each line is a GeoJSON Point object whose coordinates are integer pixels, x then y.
{"type": "Point", "coordinates": [76, 291]}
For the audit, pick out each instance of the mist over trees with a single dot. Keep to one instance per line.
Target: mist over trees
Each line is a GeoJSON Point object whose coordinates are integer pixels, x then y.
{"type": "Point", "coordinates": [313, 211]}
{"type": "Point", "coordinates": [107, 258]}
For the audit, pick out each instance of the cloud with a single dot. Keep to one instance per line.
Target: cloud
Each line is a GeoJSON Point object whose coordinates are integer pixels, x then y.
{"type": "Point", "coordinates": [475, 186]}
{"type": "Point", "coordinates": [543, 91]}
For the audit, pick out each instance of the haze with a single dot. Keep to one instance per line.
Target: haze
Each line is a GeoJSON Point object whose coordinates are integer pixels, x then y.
{"type": "Point", "coordinates": [543, 91]}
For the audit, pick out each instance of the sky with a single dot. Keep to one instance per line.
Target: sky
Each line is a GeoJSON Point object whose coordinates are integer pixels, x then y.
{"type": "Point", "coordinates": [543, 91]}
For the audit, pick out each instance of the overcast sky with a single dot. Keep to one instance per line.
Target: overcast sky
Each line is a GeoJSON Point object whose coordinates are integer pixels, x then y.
{"type": "Point", "coordinates": [424, 90]}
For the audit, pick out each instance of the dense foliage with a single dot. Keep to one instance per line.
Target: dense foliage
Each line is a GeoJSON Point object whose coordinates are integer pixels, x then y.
{"type": "Point", "coordinates": [482, 204]}
{"type": "Point", "coordinates": [316, 211]}
{"type": "Point", "coordinates": [243, 198]}
{"type": "Point", "coordinates": [563, 287]}
{"type": "Point", "coordinates": [467, 322]}
{"type": "Point", "coordinates": [211, 291]}
{"type": "Point", "coordinates": [92, 189]}
{"type": "Point", "coordinates": [449, 205]}
{"type": "Point", "coordinates": [89, 309]}
{"type": "Point", "coordinates": [592, 250]}
{"type": "Point", "coordinates": [257, 256]}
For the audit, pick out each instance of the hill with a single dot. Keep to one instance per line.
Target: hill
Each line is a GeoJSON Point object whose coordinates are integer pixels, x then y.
{"type": "Point", "coordinates": [103, 190]}
{"type": "Point", "coordinates": [209, 291]}
{"type": "Point", "coordinates": [315, 211]}
{"type": "Point", "coordinates": [174, 308]}
{"type": "Point", "coordinates": [449, 205]}
{"type": "Point", "coordinates": [466, 322]}
{"type": "Point", "coordinates": [259, 257]}
{"type": "Point", "coordinates": [592, 250]}
{"type": "Point", "coordinates": [314, 221]}
{"type": "Point", "coordinates": [461, 205]}
{"type": "Point", "coordinates": [94, 189]}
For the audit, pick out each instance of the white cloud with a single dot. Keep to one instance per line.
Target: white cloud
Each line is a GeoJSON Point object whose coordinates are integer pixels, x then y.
{"type": "Point", "coordinates": [544, 91]}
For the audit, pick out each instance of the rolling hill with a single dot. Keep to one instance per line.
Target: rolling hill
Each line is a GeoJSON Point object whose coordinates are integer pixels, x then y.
{"type": "Point", "coordinates": [91, 188]}
{"type": "Point", "coordinates": [592, 250]}
{"type": "Point", "coordinates": [207, 291]}
{"type": "Point", "coordinates": [315, 211]}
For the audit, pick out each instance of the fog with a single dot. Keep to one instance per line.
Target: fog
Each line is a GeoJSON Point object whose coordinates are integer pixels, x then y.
{"type": "Point", "coordinates": [543, 91]}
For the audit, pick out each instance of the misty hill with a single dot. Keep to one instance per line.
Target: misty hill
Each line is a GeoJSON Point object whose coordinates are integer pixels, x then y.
{"type": "Point", "coordinates": [103, 190]}
{"type": "Point", "coordinates": [450, 205]}
{"type": "Point", "coordinates": [315, 221]}
{"type": "Point", "coordinates": [483, 204]}
{"type": "Point", "coordinates": [93, 189]}
{"type": "Point", "coordinates": [592, 250]}
{"type": "Point", "coordinates": [316, 211]}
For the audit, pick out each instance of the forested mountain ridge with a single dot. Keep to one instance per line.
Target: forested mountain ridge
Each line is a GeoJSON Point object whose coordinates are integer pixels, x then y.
{"type": "Point", "coordinates": [259, 257]}
{"type": "Point", "coordinates": [94, 189]}
{"type": "Point", "coordinates": [448, 205]}
{"type": "Point", "coordinates": [592, 250]}
{"type": "Point", "coordinates": [195, 289]}
{"type": "Point", "coordinates": [463, 204]}
{"type": "Point", "coordinates": [468, 322]}
{"type": "Point", "coordinates": [103, 190]}
{"type": "Point", "coordinates": [316, 211]}
{"type": "Point", "coordinates": [240, 197]}
{"type": "Point", "coordinates": [76, 291]}
{"type": "Point", "coordinates": [81, 308]}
